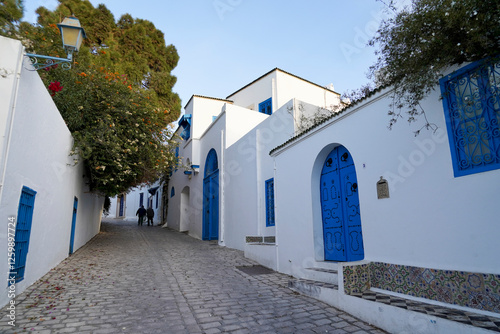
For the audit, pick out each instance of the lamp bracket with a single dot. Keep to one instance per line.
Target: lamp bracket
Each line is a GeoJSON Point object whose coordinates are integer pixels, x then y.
{"type": "Point", "coordinates": [49, 61]}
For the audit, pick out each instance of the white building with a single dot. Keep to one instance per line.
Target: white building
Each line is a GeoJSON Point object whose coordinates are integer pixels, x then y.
{"type": "Point", "coordinates": [353, 211]}
{"type": "Point", "coordinates": [45, 205]}
{"type": "Point", "coordinates": [125, 206]}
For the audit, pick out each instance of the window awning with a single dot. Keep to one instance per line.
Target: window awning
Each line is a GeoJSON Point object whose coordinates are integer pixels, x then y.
{"type": "Point", "coordinates": [152, 191]}
{"type": "Point", "coordinates": [185, 121]}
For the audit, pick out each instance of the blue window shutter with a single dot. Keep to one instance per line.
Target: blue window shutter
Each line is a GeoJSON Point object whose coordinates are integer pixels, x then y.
{"type": "Point", "coordinates": [23, 232]}
{"type": "Point", "coordinates": [141, 199]}
{"type": "Point", "coordinates": [270, 202]}
{"type": "Point", "coordinates": [266, 107]}
{"type": "Point", "coordinates": [157, 200]}
{"type": "Point", "coordinates": [471, 101]}
{"type": "Point", "coordinates": [172, 192]}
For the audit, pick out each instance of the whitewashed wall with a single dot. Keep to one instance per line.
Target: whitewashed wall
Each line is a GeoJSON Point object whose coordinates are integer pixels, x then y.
{"type": "Point", "coordinates": [248, 166]}
{"type": "Point", "coordinates": [283, 87]}
{"type": "Point", "coordinates": [431, 219]}
{"type": "Point", "coordinates": [38, 157]}
{"type": "Point", "coordinates": [132, 203]}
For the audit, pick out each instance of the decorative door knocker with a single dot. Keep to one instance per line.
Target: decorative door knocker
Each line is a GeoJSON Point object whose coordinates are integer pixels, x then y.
{"type": "Point", "coordinates": [344, 157]}
{"type": "Point", "coordinates": [354, 187]}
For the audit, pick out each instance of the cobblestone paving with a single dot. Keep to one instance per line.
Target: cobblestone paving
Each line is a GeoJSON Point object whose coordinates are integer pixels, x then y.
{"type": "Point", "coordinates": [142, 279]}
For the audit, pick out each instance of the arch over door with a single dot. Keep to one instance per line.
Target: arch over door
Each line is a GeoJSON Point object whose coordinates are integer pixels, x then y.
{"type": "Point", "coordinates": [211, 198]}
{"type": "Point", "coordinates": [340, 212]}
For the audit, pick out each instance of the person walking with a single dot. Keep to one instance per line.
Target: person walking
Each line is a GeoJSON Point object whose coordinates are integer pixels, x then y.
{"type": "Point", "coordinates": [150, 214]}
{"type": "Point", "coordinates": [141, 212]}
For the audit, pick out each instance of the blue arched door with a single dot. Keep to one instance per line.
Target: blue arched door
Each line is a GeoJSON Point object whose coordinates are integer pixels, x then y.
{"type": "Point", "coordinates": [342, 234]}
{"type": "Point", "coordinates": [211, 198]}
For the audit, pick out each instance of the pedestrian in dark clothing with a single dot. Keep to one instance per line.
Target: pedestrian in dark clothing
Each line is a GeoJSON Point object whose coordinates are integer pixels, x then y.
{"type": "Point", "coordinates": [141, 213]}
{"type": "Point", "coordinates": [151, 214]}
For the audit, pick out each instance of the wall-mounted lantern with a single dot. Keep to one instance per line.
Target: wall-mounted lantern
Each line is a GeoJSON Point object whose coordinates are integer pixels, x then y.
{"type": "Point", "coordinates": [72, 35]}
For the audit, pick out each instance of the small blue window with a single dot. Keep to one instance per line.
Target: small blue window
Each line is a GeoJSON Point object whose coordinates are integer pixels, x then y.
{"type": "Point", "coordinates": [22, 233]}
{"type": "Point", "coordinates": [471, 101]}
{"type": "Point", "coordinates": [270, 202]}
{"type": "Point", "coordinates": [185, 122]}
{"type": "Point", "coordinates": [266, 107]}
{"type": "Point", "coordinates": [141, 199]}
{"type": "Point", "coordinates": [172, 192]}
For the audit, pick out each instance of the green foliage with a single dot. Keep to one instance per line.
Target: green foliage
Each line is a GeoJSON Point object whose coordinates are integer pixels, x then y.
{"type": "Point", "coordinates": [117, 99]}
{"type": "Point", "coordinates": [419, 42]}
{"type": "Point", "coordinates": [11, 11]}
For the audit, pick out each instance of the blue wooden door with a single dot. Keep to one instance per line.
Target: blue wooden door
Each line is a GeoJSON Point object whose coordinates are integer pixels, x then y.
{"type": "Point", "coordinates": [211, 198]}
{"type": "Point", "coordinates": [122, 199]}
{"type": "Point", "coordinates": [73, 226]}
{"type": "Point", "coordinates": [340, 208]}
{"type": "Point", "coordinates": [23, 232]}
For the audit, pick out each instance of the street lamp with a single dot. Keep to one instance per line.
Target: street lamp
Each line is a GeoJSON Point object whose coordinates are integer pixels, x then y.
{"type": "Point", "coordinates": [72, 35]}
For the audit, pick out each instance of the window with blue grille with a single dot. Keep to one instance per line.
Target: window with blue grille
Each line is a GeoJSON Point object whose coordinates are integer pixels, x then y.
{"type": "Point", "coordinates": [23, 232]}
{"type": "Point", "coordinates": [270, 202]}
{"type": "Point", "coordinates": [471, 101]}
{"type": "Point", "coordinates": [185, 123]}
{"type": "Point", "coordinates": [266, 107]}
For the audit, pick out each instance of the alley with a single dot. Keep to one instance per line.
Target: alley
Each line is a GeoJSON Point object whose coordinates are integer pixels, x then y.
{"type": "Point", "coordinates": [141, 279]}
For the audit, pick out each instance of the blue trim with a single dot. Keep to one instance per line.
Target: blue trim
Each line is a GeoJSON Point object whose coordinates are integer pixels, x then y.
{"type": "Point", "coordinates": [471, 110]}
{"type": "Point", "coordinates": [141, 199]}
{"type": "Point", "coordinates": [266, 107]}
{"type": "Point", "coordinates": [270, 202]}
{"type": "Point", "coordinates": [73, 226]}
{"type": "Point", "coordinates": [172, 192]}
{"type": "Point", "coordinates": [23, 233]}
{"type": "Point", "coordinates": [185, 122]}
{"type": "Point", "coordinates": [188, 172]}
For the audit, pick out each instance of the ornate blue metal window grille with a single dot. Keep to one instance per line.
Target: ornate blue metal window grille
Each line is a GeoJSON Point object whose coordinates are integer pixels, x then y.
{"type": "Point", "coordinates": [172, 192]}
{"type": "Point", "coordinates": [266, 107]}
{"type": "Point", "coordinates": [185, 122]}
{"type": "Point", "coordinates": [23, 232]}
{"type": "Point", "coordinates": [471, 101]}
{"type": "Point", "coordinates": [270, 202]}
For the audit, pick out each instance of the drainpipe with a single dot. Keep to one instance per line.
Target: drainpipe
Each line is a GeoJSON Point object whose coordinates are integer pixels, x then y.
{"type": "Point", "coordinates": [259, 181]}
{"type": "Point", "coordinates": [276, 221]}
{"type": "Point", "coordinates": [10, 117]}
{"type": "Point", "coordinates": [222, 188]}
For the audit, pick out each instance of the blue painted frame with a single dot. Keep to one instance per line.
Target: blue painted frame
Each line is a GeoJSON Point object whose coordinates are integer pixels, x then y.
{"type": "Point", "coordinates": [266, 107]}
{"type": "Point", "coordinates": [484, 72]}
{"type": "Point", "coordinates": [73, 226]}
{"type": "Point", "coordinates": [23, 232]}
{"type": "Point", "coordinates": [270, 220]}
{"type": "Point", "coordinates": [172, 192]}
{"type": "Point", "coordinates": [141, 199]}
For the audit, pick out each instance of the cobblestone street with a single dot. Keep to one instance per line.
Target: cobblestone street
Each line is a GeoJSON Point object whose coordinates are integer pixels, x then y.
{"type": "Point", "coordinates": [142, 279]}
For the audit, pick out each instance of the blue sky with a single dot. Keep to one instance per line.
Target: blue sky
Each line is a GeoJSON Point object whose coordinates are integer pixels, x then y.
{"type": "Point", "coordinates": [225, 44]}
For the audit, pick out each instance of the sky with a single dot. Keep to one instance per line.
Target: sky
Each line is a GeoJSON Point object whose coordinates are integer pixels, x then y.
{"type": "Point", "coordinates": [225, 44]}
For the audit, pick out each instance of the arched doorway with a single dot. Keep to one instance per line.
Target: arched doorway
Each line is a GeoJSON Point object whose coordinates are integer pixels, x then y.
{"type": "Point", "coordinates": [343, 240]}
{"type": "Point", "coordinates": [211, 198]}
{"type": "Point", "coordinates": [185, 210]}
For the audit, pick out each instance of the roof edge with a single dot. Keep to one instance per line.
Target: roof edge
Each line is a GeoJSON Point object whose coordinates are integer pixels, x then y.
{"type": "Point", "coordinates": [207, 97]}
{"type": "Point", "coordinates": [285, 72]}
